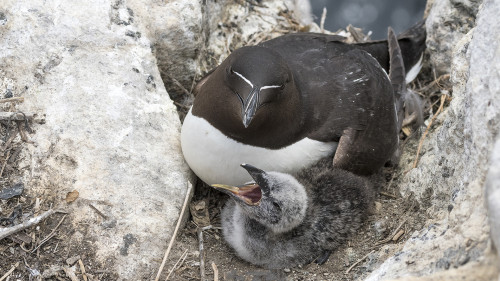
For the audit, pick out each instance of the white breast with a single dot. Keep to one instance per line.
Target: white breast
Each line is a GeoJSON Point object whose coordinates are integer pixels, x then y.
{"type": "Point", "coordinates": [216, 158]}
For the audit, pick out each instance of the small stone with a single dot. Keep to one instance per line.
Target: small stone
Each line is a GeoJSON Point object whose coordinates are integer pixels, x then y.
{"type": "Point", "coordinates": [287, 270]}
{"type": "Point", "coordinates": [350, 254]}
{"type": "Point", "coordinates": [378, 207]}
{"type": "Point", "coordinates": [380, 227]}
{"type": "Point", "coordinates": [72, 260]}
{"type": "Point", "coordinates": [8, 92]}
{"type": "Point", "coordinates": [52, 271]}
{"type": "Point", "coordinates": [13, 191]}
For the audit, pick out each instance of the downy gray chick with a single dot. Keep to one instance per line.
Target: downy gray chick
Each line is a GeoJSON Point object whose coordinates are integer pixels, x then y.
{"type": "Point", "coordinates": [283, 221]}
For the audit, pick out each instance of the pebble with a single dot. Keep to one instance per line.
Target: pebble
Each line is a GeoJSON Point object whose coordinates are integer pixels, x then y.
{"type": "Point", "coordinates": [287, 270]}
{"type": "Point", "coordinates": [72, 260]}
{"type": "Point", "coordinates": [380, 226]}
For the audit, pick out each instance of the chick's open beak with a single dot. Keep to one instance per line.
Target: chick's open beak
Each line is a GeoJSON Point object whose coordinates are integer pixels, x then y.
{"type": "Point", "coordinates": [250, 194]}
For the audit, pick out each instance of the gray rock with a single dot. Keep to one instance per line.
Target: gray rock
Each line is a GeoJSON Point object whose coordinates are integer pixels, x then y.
{"type": "Point", "coordinates": [175, 30]}
{"type": "Point", "coordinates": [447, 22]}
{"type": "Point", "coordinates": [111, 131]}
{"type": "Point", "coordinates": [493, 194]}
{"type": "Point", "coordinates": [12, 191]}
{"type": "Point", "coordinates": [459, 147]}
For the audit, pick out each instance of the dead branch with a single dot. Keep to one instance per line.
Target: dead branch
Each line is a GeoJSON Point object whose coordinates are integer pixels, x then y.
{"type": "Point", "coordinates": [183, 210]}
{"type": "Point", "coordinates": [182, 257]}
{"type": "Point", "coordinates": [51, 234]}
{"type": "Point", "coordinates": [322, 22]}
{"type": "Point", "coordinates": [202, 251]}
{"type": "Point", "coordinates": [98, 212]}
{"type": "Point", "coordinates": [82, 269]}
{"type": "Point", "coordinates": [9, 272]}
{"type": "Point", "coordinates": [216, 271]}
{"type": "Point", "coordinates": [7, 231]}
{"type": "Point", "coordinates": [358, 261]}
{"type": "Point", "coordinates": [393, 234]}
{"type": "Point", "coordinates": [5, 163]}
{"type": "Point", "coordinates": [14, 99]}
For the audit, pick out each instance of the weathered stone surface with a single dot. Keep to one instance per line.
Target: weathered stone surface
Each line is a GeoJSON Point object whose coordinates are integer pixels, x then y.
{"type": "Point", "coordinates": [452, 170]}
{"type": "Point", "coordinates": [175, 30]}
{"type": "Point", "coordinates": [493, 194]}
{"type": "Point", "coordinates": [111, 132]}
{"type": "Point", "coordinates": [446, 23]}
{"type": "Point", "coordinates": [231, 25]}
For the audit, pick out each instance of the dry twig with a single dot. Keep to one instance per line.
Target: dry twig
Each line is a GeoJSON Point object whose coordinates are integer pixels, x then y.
{"type": "Point", "coordinates": [393, 234]}
{"type": "Point", "coordinates": [178, 84]}
{"type": "Point", "coordinates": [443, 98]}
{"type": "Point", "coordinates": [434, 82]}
{"type": "Point", "coordinates": [358, 261]}
{"type": "Point", "coordinates": [388, 195]}
{"type": "Point", "coordinates": [9, 272]}
{"type": "Point", "coordinates": [398, 235]}
{"type": "Point", "coordinates": [186, 200]}
{"type": "Point", "coordinates": [51, 234]}
{"type": "Point", "coordinates": [98, 212]}
{"type": "Point", "coordinates": [216, 271]}
{"type": "Point", "coordinates": [14, 99]}
{"type": "Point", "coordinates": [4, 232]}
{"type": "Point", "coordinates": [5, 163]}
{"type": "Point", "coordinates": [202, 251]}
{"type": "Point", "coordinates": [322, 22]}
{"type": "Point", "coordinates": [82, 269]}
{"type": "Point", "coordinates": [182, 257]}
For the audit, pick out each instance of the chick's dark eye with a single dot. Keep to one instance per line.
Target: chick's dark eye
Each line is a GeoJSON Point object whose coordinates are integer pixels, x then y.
{"type": "Point", "coordinates": [277, 206]}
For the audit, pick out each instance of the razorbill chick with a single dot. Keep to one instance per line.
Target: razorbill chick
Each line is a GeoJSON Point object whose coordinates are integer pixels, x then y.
{"type": "Point", "coordinates": [283, 221]}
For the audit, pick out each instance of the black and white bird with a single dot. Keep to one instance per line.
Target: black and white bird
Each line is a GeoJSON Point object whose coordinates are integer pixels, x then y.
{"type": "Point", "coordinates": [280, 220]}
{"type": "Point", "coordinates": [288, 102]}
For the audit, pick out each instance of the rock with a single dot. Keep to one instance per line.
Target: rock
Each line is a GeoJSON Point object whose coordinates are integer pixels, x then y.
{"type": "Point", "coordinates": [70, 261]}
{"type": "Point", "coordinates": [380, 227]}
{"type": "Point", "coordinates": [12, 191]}
{"type": "Point", "coordinates": [493, 194]}
{"type": "Point", "coordinates": [234, 25]}
{"type": "Point", "coordinates": [175, 30]}
{"type": "Point", "coordinates": [111, 131]}
{"type": "Point", "coordinates": [447, 22]}
{"type": "Point", "coordinates": [51, 271]}
{"type": "Point", "coordinates": [455, 240]}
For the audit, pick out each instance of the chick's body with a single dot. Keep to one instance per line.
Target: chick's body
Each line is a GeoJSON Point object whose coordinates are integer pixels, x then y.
{"type": "Point", "coordinates": [335, 201]}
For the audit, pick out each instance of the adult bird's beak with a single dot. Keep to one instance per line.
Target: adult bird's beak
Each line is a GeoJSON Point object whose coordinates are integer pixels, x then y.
{"type": "Point", "coordinates": [250, 106]}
